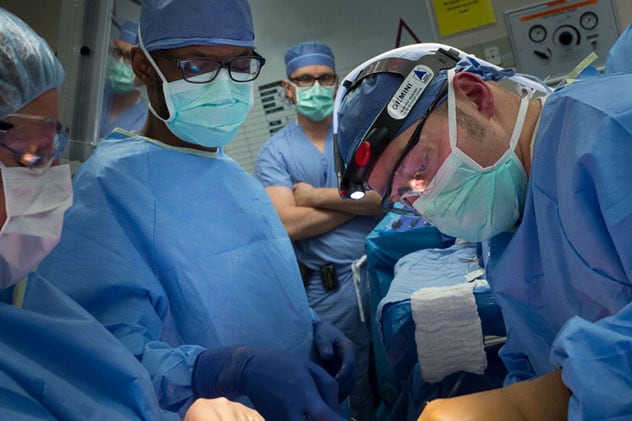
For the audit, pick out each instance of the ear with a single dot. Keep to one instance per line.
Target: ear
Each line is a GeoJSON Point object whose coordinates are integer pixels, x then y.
{"type": "Point", "coordinates": [289, 90]}
{"type": "Point", "coordinates": [142, 67]}
{"type": "Point", "coordinates": [469, 86]}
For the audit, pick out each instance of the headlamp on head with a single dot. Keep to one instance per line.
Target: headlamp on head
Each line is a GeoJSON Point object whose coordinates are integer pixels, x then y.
{"type": "Point", "coordinates": [418, 75]}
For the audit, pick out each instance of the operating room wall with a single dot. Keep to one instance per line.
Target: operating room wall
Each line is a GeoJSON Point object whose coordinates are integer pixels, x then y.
{"type": "Point", "coordinates": [356, 31]}
{"type": "Point", "coordinates": [43, 16]}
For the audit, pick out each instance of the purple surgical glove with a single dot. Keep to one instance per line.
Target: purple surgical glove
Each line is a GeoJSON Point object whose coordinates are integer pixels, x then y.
{"type": "Point", "coordinates": [337, 355]}
{"type": "Point", "coordinates": [280, 385]}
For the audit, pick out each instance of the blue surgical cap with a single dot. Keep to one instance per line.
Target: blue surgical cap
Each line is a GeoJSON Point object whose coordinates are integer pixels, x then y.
{"type": "Point", "coordinates": [28, 67]}
{"type": "Point", "coordinates": [129, 32]}
{"type": "Point", "coordinates": [307, 54]}
{"type": "Point", "coordinates": [362, 105]}
{"type": "Point", "coordinates": [355, 110]}
{"type": "Point", "coordinates": [180, 23]}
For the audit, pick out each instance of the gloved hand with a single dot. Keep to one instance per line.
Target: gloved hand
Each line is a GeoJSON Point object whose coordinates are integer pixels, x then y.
{"type": "Point", "coordinates": [337, 355]}
{"type": "Point", "coordinates": [220, 409]}
{"type": "Point", "coordinates": [281, 385]}
{"type": "Point", "coordinates": [543, 398]}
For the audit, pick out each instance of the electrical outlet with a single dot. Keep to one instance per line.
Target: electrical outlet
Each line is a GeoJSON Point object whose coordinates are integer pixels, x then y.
{"type": "Point", "coordinates": [492, 54]}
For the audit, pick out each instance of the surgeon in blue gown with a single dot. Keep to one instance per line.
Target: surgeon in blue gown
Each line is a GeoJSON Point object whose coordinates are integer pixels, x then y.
{"type": "Point", "coordinates": [179, 252]}
{"type": "Point", "coordinates": [56, 360]}
{"type": "Point", "coordinates": [547, 181]}
{"type": "Point", "coordinates": [123, 103]}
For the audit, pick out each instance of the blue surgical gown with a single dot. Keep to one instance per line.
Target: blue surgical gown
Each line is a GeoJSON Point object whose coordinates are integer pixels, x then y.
{"type": "Point", "coordinates": [290, 157]}
{"type": "Point", "coordinates": [132, 119]}
{"type": "Point", "coordinates": [176, 251]}
{"type": "Point", "coordinates": [619, 59]}
{"type": "Point", "coordinates": [564, 281]}
{"type": "Point", "coordinates": [58, 363]}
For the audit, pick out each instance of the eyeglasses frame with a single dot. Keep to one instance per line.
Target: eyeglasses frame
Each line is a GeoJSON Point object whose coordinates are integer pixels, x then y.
{"type": "Point", "coordinates": [61, 137]}
{"type": "Point", "coordinates": [222, 64]}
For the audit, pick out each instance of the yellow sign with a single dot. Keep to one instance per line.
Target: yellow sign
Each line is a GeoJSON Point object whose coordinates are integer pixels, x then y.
{"type": "Point", "coordinates": [460, 15]}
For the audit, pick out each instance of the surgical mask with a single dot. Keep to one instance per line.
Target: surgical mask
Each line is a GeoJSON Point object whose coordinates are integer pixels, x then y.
{"type": "Point", "coordinates": [208, 114]}
{"type": "Point", "coordinates": [468, 201]}
{"type": "Point", "coordinates": [120, 76]}
{"type": "Point", "coordinates": [35, 202]}
{"type": "Point", "coordinates": [315, 102]}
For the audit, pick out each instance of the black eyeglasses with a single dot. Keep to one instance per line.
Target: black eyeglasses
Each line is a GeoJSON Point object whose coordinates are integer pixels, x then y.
{"type": "Point", "coordinates": [205, 70]}
{"type": "Point", "coordinates": [34, 141]}
{"type": "Point", "coordinates": [328, 79]}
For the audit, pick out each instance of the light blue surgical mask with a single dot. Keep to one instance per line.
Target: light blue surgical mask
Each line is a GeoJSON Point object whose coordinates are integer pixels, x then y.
{"type": "Point", "coordinates": [315, 102]}
{"type": "Point", "coordinates": [468, 201]}
{"type": "Point", "coordinates": [207, 114]}
{"type": "Point", "coordinates": [120, 76]}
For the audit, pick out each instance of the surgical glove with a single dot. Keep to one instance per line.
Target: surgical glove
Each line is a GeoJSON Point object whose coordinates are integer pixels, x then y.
{"type": "Point", "coordinates": [220, 409]}
{"type": "Point", "coordinates": [543, 398]}
{"type": "Point", "coordinates": [281, 385]}
{"type": "Point", "coordinates": [337, 355]}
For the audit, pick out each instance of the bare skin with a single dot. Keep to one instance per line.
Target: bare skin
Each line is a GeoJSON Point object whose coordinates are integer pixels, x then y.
{"type": "Point", "coordinates": [220, 409]}
{"type": "Point", "coordinates": [542, 399]}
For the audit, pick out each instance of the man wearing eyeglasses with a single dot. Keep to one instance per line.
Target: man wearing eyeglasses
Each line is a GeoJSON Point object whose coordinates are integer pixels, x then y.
{"type": "Point", "coordinates": [178, 251]}
{"type": "Point", "coordinates": [544, 181]}
{"type": "Point", "coordinates": [123, 103]}
{"type": "Point", "coordinates": [297, 169]}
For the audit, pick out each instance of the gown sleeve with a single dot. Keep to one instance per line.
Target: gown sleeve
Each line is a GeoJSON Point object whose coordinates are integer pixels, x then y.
{"type": "Point", "coordinates": [104, 262]}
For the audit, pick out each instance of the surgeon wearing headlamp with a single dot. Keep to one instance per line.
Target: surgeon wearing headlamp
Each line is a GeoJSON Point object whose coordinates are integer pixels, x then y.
{"type": "Point", "coordinates": [545, 180]}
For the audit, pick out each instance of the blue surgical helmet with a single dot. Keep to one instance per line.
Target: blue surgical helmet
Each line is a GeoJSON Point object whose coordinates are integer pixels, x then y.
{"type": "Point", "coordinates": [308, 54]}
{"type": "Point", "coordinates": [179, 23]}
{"type": "Point", "coordinates": [28, 67]}
{"type": "Point", "coordinates": [357, 107]}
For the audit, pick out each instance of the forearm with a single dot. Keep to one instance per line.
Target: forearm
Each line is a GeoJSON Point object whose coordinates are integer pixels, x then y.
{"type": "Point", "coordinates": [329, 198]}
{"type": "Point", "coordinates": [304, 222]}
{"type": "Point", "coordinates": [545, 397]}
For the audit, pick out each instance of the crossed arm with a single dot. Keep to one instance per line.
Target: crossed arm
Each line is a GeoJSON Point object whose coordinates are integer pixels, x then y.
{"type": "Point", "coordinates": [308, 211]}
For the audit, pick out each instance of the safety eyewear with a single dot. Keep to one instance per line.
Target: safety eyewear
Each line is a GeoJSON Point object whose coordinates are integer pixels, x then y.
{"type": "Point", "coordinates": [418, 75]}
{"type": "Point", "coordinates": [408, 174]}
{"type": "Point", "coordinates": [205, 70]}
{"type": "Point", "coordinates": [34, 141]}
{"type": "Point", "coordinates": [304, 81]}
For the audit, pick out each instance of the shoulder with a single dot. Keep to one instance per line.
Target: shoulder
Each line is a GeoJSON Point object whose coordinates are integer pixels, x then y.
{"type": "Point", "coordinates": [280, 143]}
{"type": "Point", "coordinates": [284, 135]}
{"type": "Point", "coordinates": [600, 94]}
